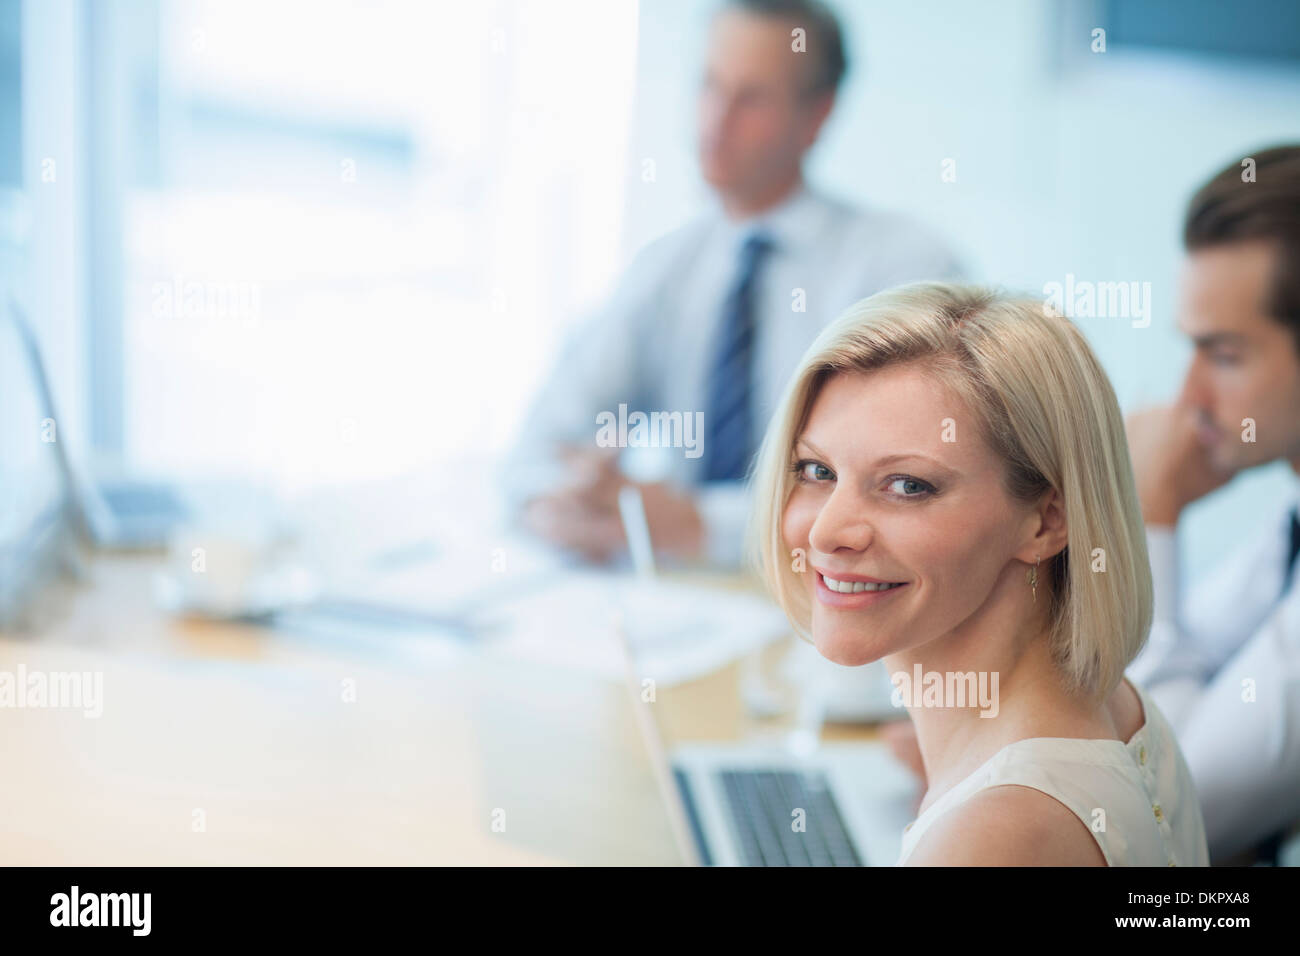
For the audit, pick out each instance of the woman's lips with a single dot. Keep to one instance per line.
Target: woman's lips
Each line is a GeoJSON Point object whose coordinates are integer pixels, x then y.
{"type": "Point", "coordinates": [859, 599]}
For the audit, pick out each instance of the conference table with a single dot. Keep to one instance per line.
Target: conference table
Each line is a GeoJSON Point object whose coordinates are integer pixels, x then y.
{"type": "Point", "coordinates": [230, 742]}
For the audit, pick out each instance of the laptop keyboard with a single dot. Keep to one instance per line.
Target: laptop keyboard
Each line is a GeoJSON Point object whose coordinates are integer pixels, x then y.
{"type": "Point", "coordinates": [762, 805]}
{"type": "Point", "coordinates": [133, 500]}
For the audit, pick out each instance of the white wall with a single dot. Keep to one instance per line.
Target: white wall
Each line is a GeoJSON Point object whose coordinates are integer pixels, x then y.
{"type": "Point", "coordinates": [1081, 167]}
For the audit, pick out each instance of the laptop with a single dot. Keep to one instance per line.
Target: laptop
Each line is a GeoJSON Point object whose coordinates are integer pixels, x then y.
{"type": "Point", "coordinates": [124, 514]}
{"type": "Point", "coordinates": [37, 534]}
{"type": "Point", "coordinates": [845, 804]}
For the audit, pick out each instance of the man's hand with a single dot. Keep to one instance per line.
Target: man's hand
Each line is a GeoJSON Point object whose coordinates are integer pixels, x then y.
{"type": "Point", "coordinates": [566, 521]}
{"type": "Point", "coordinates": [1170, 465]}
{"type": "Point", "coordinates": [582, 514]}
{"type": "Point", "coordinates": [592, 477]}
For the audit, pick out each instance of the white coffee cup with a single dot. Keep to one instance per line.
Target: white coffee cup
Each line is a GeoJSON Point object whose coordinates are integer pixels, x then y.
{"type": "Point", "coordinates": [221, 568]}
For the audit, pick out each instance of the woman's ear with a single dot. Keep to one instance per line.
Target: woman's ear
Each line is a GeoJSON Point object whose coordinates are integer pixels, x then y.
{"type": "Point", "coordinates": [1050, 532]}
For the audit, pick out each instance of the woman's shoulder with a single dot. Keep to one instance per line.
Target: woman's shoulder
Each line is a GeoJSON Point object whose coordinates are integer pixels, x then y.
{"type": "Point", "coordinates": [1127, 710]}
{"type": "Point", "coordinates": [1008, 825]}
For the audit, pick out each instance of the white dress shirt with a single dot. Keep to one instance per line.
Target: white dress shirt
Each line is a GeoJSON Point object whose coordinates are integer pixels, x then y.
{"type": "Point", "coordinates": [651, 347]}
{"type": "Point", "coordinates": [1209, 652]}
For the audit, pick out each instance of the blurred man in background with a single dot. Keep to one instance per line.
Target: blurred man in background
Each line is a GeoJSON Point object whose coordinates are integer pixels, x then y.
{"type": "Point", "coordinates": [1223, 662]}
{"type": "Point", "coordinates": [708, 322]}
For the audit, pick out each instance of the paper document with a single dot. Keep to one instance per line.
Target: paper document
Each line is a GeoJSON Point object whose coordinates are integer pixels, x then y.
{"type": "Point", "coordinates": [677, 631]}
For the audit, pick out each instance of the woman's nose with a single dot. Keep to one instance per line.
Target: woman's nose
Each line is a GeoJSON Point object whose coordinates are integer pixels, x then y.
{"type": "Point", "coordinates": [842, 523]}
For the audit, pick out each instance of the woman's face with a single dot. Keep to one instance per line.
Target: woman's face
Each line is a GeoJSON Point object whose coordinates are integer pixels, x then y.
{"type": "Point", "coordinates": [897, 487]}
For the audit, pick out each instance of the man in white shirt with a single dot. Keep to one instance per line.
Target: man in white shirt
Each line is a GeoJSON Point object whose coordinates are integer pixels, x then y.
{"type": "Point", "coordinates": [1223, 663]}
{"type": "Point", "coordinates": [709, 321]}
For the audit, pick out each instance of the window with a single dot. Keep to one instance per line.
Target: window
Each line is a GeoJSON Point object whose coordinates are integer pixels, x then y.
{"type": "Point", "coordinates": [353, 232]}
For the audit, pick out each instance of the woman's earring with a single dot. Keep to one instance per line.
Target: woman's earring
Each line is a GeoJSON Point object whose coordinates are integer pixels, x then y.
{"type": "Point", "coordinates": [1033, 578]}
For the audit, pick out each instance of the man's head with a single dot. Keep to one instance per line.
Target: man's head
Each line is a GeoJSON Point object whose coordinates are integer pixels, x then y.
{"type": "Point", "coordinates": [767, 90]}
{"type": "Point", "coordinates": [1241, 307]}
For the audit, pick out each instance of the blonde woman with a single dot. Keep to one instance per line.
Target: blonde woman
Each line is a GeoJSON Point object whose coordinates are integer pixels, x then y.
{"type": "Point", "coordinates": [946, 486]}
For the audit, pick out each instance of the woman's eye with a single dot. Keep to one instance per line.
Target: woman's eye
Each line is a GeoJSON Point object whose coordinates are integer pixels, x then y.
{"type": "Point", "coordinates": [813, 471]}
{"type": "Point", "coordinates": [910, 487]}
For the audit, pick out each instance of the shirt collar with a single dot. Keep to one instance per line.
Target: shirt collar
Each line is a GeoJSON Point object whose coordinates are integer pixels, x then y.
{"type": "Point", "coordinates": [796, 221]}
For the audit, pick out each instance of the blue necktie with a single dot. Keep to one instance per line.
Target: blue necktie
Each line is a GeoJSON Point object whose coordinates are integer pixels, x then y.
{"type": "Point", "coordinates": [1294, 551]}
{"type": "Point", "coordinates": [729, 418]}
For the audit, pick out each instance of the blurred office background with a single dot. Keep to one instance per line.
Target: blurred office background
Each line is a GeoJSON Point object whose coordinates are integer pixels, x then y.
{"type": "Point", "coordinates": [321, 243]}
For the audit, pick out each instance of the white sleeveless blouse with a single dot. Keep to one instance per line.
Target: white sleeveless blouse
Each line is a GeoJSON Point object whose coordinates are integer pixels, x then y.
{"type": "Point", "coordinates": [1135, 798]}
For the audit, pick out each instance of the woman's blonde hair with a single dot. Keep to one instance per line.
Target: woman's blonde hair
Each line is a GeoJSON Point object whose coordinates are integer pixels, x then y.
{"type": "Point", "coordinates": [1046, 408]}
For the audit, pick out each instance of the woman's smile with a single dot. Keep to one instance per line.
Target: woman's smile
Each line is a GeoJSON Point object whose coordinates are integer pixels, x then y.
{"type": "Point", "coordinates": [853, 594]}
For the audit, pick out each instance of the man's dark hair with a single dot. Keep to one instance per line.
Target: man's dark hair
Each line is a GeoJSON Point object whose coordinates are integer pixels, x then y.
{"type": "Point", "coordinates": [1233, 208]}
{"type": "Point", "coordinates": [825, 39]}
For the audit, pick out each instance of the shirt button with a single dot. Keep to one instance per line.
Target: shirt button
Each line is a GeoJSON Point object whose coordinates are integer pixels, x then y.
{"type": "Point", "coordinates": [1142, 755]}
{"type": "Point", "coordinates": [1160, 816]}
